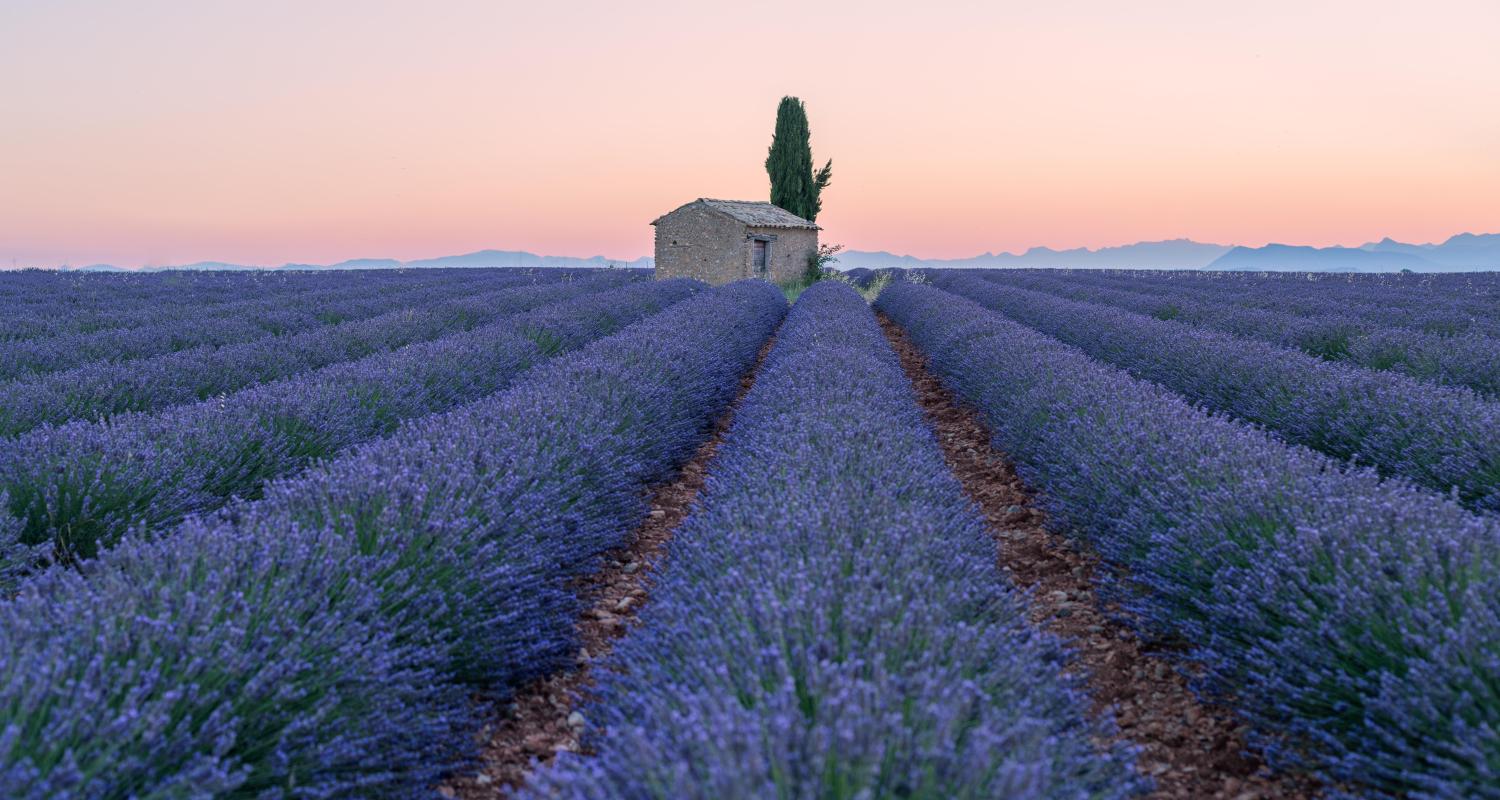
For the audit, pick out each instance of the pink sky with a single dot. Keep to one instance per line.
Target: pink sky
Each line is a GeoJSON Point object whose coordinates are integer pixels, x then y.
{"type": "Point", "coordinates": [154, 132]}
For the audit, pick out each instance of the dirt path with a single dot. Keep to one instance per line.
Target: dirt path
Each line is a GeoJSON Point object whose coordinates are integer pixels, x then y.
{"type": "Point", "coordinates": [540, 720]}
{"type": "Point", "coordinates": [1192, 750]}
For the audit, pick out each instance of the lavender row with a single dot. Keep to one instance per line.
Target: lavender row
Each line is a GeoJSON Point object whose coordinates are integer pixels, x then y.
{"type": "Point", "coordinates": [324, 641]}
{"type": "Point", "coordinates": [1354, 621]}
{"type": "Point", "coordinates": [67, 308]}
{"type": "Point", "coordinates": [214, 326]}
{"type": "Point", "coordinates": [860, 276]}
{"type": "Point", "coordinates": [83, 291]}
{"type": "Point", "coordinates": [1443, 437]}
{"type": "Point", "coordinates": [16, 558]}
{"type": "Point", "coordinates": [189, 318]}
{"type": "Point", "coordinates": [830, 622]}
{"type": "Point", "coordinates": [1470, 360]}
{"type": "Point", "coordinates": [84, 485]}
{"type": "Point", "coordinates": [1414, 306]}
{"type": "Point", "coordinates": [1475, 290]}
{"type": "Point", "coordinates": [103, 390]}
{"type": "Point", "coordinates": [1462, 360]}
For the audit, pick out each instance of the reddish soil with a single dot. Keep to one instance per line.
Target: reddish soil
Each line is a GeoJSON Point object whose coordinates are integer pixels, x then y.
{"type": "Point", "coordinates": [540, 720]}
{"type": "Point", "coordinates": [1191, 749]}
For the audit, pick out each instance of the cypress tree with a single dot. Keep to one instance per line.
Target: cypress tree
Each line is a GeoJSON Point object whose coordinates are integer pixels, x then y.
{"type": "Point", "coordinates": [794, 185]}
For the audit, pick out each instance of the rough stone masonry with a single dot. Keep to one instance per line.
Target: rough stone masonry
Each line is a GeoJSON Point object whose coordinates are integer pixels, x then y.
{"type": "Point", "coordinates": [719, 241]}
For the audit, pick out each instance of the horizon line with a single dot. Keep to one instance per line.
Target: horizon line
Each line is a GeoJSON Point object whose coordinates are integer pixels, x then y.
{"type": "Point", "coordinates": [600, 257]}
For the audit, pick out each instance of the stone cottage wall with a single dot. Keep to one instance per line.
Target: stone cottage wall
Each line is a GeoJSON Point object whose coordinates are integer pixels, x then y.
{"type": "Point", "coordinates": [789, 253]}
{"type": "Point", "coordinates": [696, 242]}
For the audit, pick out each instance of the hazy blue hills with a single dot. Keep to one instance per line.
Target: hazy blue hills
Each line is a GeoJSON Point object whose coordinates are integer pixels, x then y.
{"type": "Point", "coordinates": [1463, 250]}
{"type": "Point", "coordinates": [1171, 254]}
{"type": "Point", "coordinates": [1316, 259]}
{"type": "Point", "coordinates": [214, 266]}
{"type": "Point", "coordinates": [482, 258]}
{"type": "Point", "coordinates": [365, 263]}
{"type": "Point", "coordinates": [510, 258]}
{"type": "Point", "coordinates": [1466, 251]}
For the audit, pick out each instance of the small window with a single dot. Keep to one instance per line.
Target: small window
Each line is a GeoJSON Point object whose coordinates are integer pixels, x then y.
{"type": "Point", "coordinates": [759, 254]}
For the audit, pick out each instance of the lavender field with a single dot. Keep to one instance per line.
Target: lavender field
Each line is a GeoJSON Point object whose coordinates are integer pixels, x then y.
{"type": "Point", "coordinates": [574, 533]}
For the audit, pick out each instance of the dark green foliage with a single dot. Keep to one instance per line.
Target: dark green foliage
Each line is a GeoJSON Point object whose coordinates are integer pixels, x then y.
{"type": "Point", "coordinates": [819, 264]}
{"type": "Point", "coordinates": [794, 185]}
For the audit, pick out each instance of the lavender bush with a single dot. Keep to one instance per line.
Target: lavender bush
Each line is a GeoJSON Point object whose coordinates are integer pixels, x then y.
{"type": "Point", "coordinates": [321, 642]}
{"type": "Point", "coordinates": [1445, 438]}
{"type": "Point", "coordinates": [83, 485]}
{"type": "Point", "coordinates": [1332, 332]}
{"type": "Point", "coordinates": [524, 490]}
{"type": "Point", "coordinates": [35, 304]}
{"type": "Point", "coordinates": [1445, 305]}
{"type": "Point", "coordinates": [209, 326]}
{"type": "Point", "coordinates": [104, 389]}
{"type": "Point", "coordinates": [210, 664]}
{"type": "Point", "coordinates": [831, 622]}
{"type": "Point", "coordinates": [15, 557]}
{"type": "Point", "coordinates": [1351, 619]}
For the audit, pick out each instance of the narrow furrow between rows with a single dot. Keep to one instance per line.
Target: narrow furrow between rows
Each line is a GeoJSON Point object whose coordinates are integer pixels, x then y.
{"type": "Point", "coordinates": [1189, 748]}
{"type": "Point", "coordinates": [539, 721]}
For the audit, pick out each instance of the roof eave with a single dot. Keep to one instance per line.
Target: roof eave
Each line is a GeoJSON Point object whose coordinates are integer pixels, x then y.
{"type": "Point", "coordinates": [708, 203]}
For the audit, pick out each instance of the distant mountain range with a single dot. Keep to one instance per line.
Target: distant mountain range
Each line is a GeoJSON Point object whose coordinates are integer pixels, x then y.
{"type": "Point", "coordinates": [1466, 251]}
{"type": "Point", "coordinates": [1171, 254]}
{"type": "Point", "coordinates": [481, 258]}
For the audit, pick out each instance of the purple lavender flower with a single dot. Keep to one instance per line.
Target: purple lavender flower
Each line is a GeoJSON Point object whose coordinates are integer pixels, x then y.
{"type": "Point", "coordinates": [1390, 334]}
{"type": "Point", "coordinates": [830, 622]}
{"type": "Point", "coordinates": [105, 388]}
{"type": "Point", "coordinates": [1351, 619]}
{"type": "Point", "coordinates": [83, 485]}
{"type": "Point", "coordinates": [1445, 438]}
{"type": "Point", "coordinates": [212, 325]}
{"type": "Point", "coordinates": [323, 640]}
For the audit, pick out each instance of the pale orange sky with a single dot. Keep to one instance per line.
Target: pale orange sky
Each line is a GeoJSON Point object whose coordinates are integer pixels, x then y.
{"type": "Point", "coordinates": [265, 132]}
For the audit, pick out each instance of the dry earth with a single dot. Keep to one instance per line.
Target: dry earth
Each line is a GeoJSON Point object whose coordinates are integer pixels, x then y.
{"type": "Point", "coordinates": [1190, 749]}
{"type": "Point", "coordinates": [541, 720]}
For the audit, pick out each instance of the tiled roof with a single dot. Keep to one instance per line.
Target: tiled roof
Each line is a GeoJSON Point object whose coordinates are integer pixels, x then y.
{"type": "Point", "coordinates": [757, 213]}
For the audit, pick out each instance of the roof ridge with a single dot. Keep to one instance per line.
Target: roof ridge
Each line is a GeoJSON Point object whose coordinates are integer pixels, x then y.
{"type": "Point", "coordinates": [757, 213]}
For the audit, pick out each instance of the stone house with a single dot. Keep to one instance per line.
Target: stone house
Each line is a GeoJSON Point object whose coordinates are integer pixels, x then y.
{"type": "Point", "coordinates": [718, 241]}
